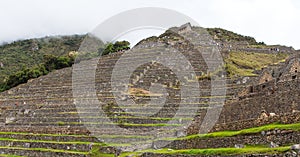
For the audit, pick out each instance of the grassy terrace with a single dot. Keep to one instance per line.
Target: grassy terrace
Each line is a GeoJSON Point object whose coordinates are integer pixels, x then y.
{"type": "Point", "coordinates": [258, 149]}
{"type": "Point", "coordinates": [294, 127]}
{"type": "Point", "coordinates": [244, 63]}
{"type": "Point", "coordinates": [67, 135]}
{"type": "Point", "coordinates": [46, 141]}
{"type": "Point", "coordinates": [9, 155]}
{"type": "Point", "coordinates": [215, 151]}
{"type": "Point", "coordinates": [123, 124]}
{"type": "Point", "coordinates": [130, 117]}
{"type": "Point", "coordinates": [46, 150]}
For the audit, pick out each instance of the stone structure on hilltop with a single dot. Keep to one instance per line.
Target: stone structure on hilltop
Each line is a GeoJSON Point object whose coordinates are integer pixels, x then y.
{"type": "Point", "coordinates": [185, 28]}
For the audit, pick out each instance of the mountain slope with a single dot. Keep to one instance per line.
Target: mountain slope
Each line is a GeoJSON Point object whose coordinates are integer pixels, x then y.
{"type": "Point", "coordinates": [28, 53]}
{"type": "Point", "coordinates": [43, 118]}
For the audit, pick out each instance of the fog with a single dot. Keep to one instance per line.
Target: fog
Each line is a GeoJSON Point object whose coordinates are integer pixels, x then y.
{"type": "Point", "coordinates": [271, 21]}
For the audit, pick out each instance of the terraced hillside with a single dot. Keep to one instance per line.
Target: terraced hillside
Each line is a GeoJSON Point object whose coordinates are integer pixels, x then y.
{"type": "Point", "coordinates": [58, 114]}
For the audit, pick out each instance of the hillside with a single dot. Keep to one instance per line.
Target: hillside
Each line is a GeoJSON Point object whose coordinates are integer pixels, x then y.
{"type": "Point", "coordinates": [28, 53]}
{"type": "Point", "coordinates": [58, 114]}
{"type": "Point", "coordinates": [28, 59]}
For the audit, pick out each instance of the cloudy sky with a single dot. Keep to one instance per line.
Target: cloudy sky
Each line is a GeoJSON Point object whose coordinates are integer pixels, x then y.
{"type": "Point", "coordinates": [271, 21]}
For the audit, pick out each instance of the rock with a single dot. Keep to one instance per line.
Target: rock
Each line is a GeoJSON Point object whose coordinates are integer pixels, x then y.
{"type": "Point", "coordinates": [295, 147]}
{"type": "Point", "coordinates": [26, 112]}
{"type": "Point", "coordinates": [273, 145]}
{"type": "Point", "coordinates": [21, 111]}
{"type": "Point", "coordinates": [91, 146]}
{"type": "Point", "coordinates": [153, 146]}
{"type": "Point", "coordinates": [239, 146]}
{"type": "Point", "coordinates": [245, 79]}
{"type": "Point", "coordinates": [9, 144]}
{"type": "Point", "coordinates": [263, 133]}
{"type": "Point", "coordinates": [27, 145]}
{"type": "Point", "coordinates": [290, 154]}
{"type": "Point", "coordinates": [180, 133]}
{"type": "Point", "coordinates": [9, 120]}
{"type": "Point", "coordinates": [118, 152]}
{"type": "Point", "coordinates": [268, 133]}
{"type": "Point", "coordinates": [278, 131]}
{"type": "Point", "coordinates": [286, 131]}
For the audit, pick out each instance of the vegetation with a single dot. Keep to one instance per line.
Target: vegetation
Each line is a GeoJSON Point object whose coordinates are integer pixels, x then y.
{"type": "Point", "coordinates": [23, 60]}
{"type": "Point", "coordinates": [209, 151]}
{"type": "Point", "coordinates": [25, 54]}
{"type": "Point", "coordinates": [115, 47]}
{"type": "Point", "coordinates": [245, 63]}
{"type": "Point", "coordinates": [28, 59]}
{"type": "Point", "coordinates": [51, 63]}
{"type": "Point", "coordinates": [224, 151]}
{"type": "Point", "coordinates": [295, 127]}
{"type": "Point", "coordinates": [10, 155]}
{"type": "Point", "coordinates": [45, 150]}
{"type": "Point", "coordinates": [228, 36]}
{"type": "Point", "coordinates": [95, 152]}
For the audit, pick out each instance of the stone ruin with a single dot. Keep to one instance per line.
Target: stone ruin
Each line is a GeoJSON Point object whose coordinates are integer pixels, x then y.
{"type": "Point", "coordinates": [42, 113]}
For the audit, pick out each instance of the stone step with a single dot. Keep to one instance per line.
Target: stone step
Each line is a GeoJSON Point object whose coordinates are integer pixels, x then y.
{"type": "Point", "coordinates": [32, 152]}
{"type": "Point", "coordinates": [31, 143]}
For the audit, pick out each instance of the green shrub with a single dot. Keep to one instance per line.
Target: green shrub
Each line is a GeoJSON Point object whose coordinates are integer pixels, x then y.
{"type": "Point", "coordinates": [117, 46]}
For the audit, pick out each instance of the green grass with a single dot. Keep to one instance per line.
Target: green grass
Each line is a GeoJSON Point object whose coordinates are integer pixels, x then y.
{"type": "Point", "coordinates": [10, 155]}
{"type": "Point", "coordinates": [36, 134]}
{"type": "Point", "coordinates": [244, 63]}
{"type": "Point", "coordinates": [123, 124]}
{"type": "Point", "coordinates": [46, 150]}
{"type": "Point", "coordinates": [46, 141]}
{"type": "Point", "coordinates": [95, 152]}
{"type": "Point", "coordinates": [223, 151]}
{"type": "Point", "coordinates": [80, 136]}
{"type": "Point", "coordinates": [294, 127]}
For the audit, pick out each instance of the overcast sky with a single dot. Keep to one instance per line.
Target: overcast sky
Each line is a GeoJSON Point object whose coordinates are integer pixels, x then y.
{"type": "Point", "coordinates": [271, 21]}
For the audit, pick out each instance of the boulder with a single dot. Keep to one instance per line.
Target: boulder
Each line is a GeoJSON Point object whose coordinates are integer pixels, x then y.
{"type": "Point", "coordinates": [9, 120]}
{"type": "Point", "coordinates": [273, 145]}
{"type": "Point", "coordinates": [295, 147]}
{"type": "Point", "coordinates": [239, 146]}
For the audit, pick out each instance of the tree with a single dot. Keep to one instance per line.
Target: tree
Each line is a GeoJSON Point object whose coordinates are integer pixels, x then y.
{"type": "Point", "coordinates": [117, 46]}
